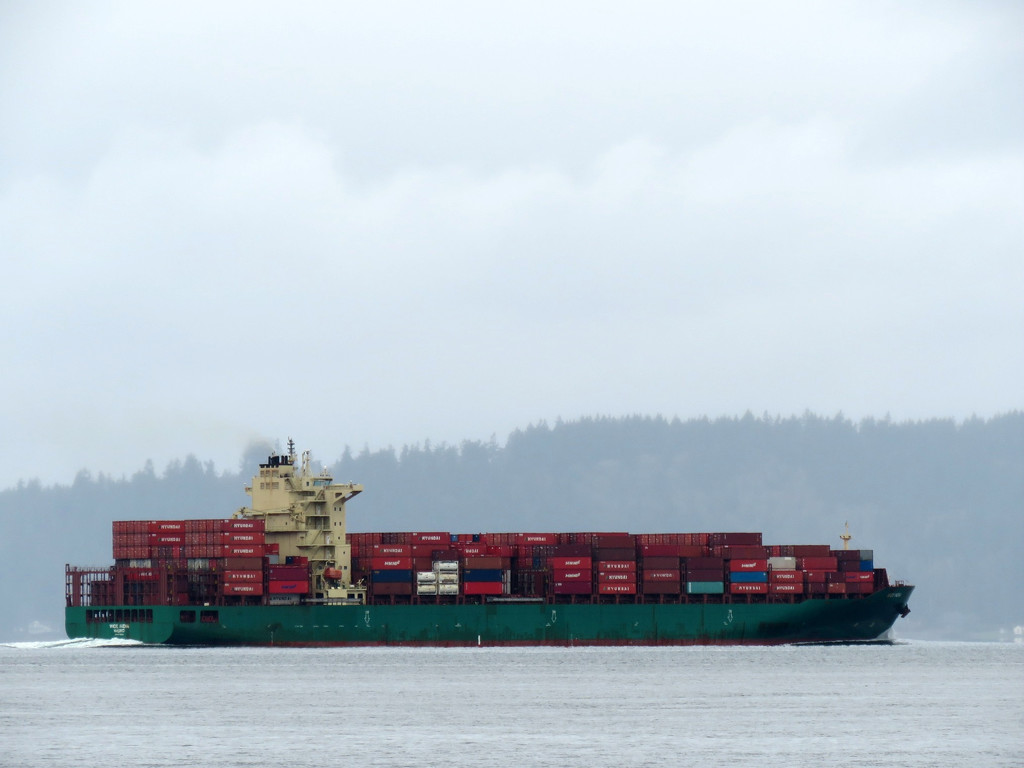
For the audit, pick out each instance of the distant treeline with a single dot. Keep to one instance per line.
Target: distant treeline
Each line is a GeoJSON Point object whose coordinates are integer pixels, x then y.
{"type": "Point", "coordinates": [939, 501]}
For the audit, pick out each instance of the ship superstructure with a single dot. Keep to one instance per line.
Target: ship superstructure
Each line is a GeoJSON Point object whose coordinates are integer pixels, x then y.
{"type": "Point", "coordinates": [303, 517]}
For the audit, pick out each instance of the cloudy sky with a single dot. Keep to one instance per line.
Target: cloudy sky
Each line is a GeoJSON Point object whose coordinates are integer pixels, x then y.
{"type": "Point", "coordinates": [377, 224]}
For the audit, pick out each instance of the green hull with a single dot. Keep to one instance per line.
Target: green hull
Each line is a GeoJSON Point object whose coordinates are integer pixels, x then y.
{"type": "Point", "coordinates": [811, 620]}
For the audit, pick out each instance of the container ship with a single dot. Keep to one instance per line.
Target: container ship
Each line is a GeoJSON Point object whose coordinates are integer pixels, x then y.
{"type": "Point", "coordinates": [285, 571]}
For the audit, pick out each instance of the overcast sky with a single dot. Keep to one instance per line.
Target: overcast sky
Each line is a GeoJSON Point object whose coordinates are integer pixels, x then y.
{"type": "Point", "coordinates": [376, 224]}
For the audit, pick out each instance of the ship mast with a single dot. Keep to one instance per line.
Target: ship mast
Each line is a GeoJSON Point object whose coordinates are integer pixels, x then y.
{"type": "Point", "coordinates": [845, 536]}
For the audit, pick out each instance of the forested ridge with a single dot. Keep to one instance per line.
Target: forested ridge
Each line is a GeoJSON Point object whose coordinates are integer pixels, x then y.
{"type": "Point", "coordinates": [939, 501]}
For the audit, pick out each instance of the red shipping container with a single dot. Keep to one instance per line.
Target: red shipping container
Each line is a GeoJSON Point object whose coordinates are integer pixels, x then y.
{"type": "Point", "coordinates": [289, 587]}
{"type": "Point", "coordinates": [246, 576]}
{"type": "Point", "coordinates": [391, 588]}
{"type": "Point", "coordinates": [616, 589]}
{"type": "Point", "coordinates": [565, 563]}
{"type": "Point", "coordinates": [734, 539]}
{"type": "Point", "coordinates": [141, 574]}
{"type": "Point", "coordinates": [705, 576]}
{"type": "Point", "coordinates": [748, 589]}
{"type": "Point", "coordinates": [166, 526]}
{"type": "Point", "coordinates": [563, 575]}
{"type": "Point", "coordinates": [615, 541]}
{"type": "Point", "coordinates": [244, 537]}
{"type": "Point", "coordinates": [246, 588]}
{"type": "Point", "coordinates": [482, 587]}
{"type": "Point", "coordinates": [287, 572]}
{"type": "Point", "coordinates": [391, 563]}
{"type": "Point", "coordinates": [859, 587]}
{"type": "Point", "coordinates": [168, 539]}
{"type": "Point", "coordinates": [245, 564]}
{"type": "Point", "coordinates": [571, 550]}
{"type": "Point", "coordinates": [737, 566]}
{"type": "Point", "coordinates": [786, 588]}
{"type": "Point", "coordinates": [367, 539]}
{"type": "Point", "coordinates": [661, 588]}
{"type": "Point", "coordinates": [536, 538]}
{"type": "Point", "coordinates": [868, 576]}
{"type": "Point", "coordinates": [617, 577]}
{"type": "Point", "coordinates": [816, 575]}
{"type": "Point", "coordinates": [245, 525]}
{"type": "Point", "coordinates": [242, 550]}
{"type": "Point", "coordinates": [837, 588]}
{"type": "Point", "coordinates": [808, 550]}
{"type": "Point", "coordinates": [572, 587]}
{"type": "Point", "coordinates": [815, 587]}
{"type": "Point", "coordinates": [615, 554]}
{"type": "Point", "coordinates": [388, 550]}
{"type": "Point", "coordinates": [472, 550]}
{"type": "Point", "coordinates": [660, 550]}
{"type": "Point", "coordinates": [704, 563]}
{"type": "Point", "coordinates": [436, 537]}
{"type": "Point", "coordinates": [745, 552]}
{"type": "Point", "coordinates": [692, 550]}
{"type": "Point", "coordinates": [662, 576]}
{"type": "Point", "coordinates": [486, 563]}
{"type": "Point", "coordinates": [660, 563]}
{"type": "Point", "coordinates": [775, 577]}
{"type": "Point", "coordinates": [501, 550]}
{"type": "Point", "coordinates": [616, 565]}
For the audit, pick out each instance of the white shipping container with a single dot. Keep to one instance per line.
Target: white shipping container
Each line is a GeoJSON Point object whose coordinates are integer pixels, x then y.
{"type": "Point", "coordinates": [448, 578]}
{"type": "Point", "coordinates": [426, 577]}
{"type": "Point", "coordinates": [782, 563]}
{"type": "Point", "coordinates": [447, 589]}
{"type": "Point", "coordinates": [444, 566]}
{"type": "Point", "coordinates": [426, 589]}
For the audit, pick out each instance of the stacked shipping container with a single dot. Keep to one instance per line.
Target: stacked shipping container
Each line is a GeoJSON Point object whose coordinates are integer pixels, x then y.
{"type": "Point", "coordinates": [185, 562]}
{"type": "Point", "coordinates": [213, 561]}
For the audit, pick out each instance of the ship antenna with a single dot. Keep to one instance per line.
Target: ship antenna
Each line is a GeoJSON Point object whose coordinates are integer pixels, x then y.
{"type": "Point", "coordinates": [291, 450]}
{"type": "Point", "coordinates": [845, 536]}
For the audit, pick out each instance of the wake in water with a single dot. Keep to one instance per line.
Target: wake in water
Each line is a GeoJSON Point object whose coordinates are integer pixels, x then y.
{"type": "Point", "coordinates": [76, 643]}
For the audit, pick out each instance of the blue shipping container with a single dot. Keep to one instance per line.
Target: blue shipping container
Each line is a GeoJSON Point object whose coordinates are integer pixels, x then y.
{"type": "Point", "coordinates": [392, 577]}
{"type": "Point", "coordinates": [749, 577]}
{"type": "Point", "coordinates": [482, 574]}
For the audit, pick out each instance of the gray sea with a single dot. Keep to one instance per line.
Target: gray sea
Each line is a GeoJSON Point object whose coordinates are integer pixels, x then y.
{"type": "Point", "coordinates": [912, 703]}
